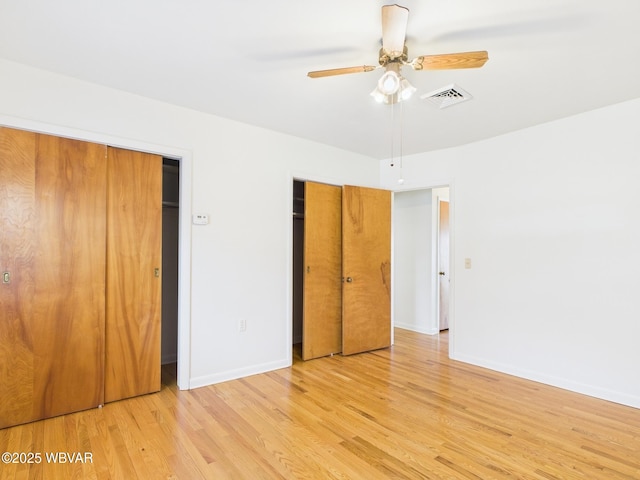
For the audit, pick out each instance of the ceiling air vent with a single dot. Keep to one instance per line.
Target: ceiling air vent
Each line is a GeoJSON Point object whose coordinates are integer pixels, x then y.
{"type": "Point", "coordinates": [447, 96]}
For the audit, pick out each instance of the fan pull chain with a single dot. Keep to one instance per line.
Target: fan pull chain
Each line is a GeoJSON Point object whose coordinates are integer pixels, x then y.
{"type": "Point", "coordinates": [393, 134]}
{"type": "Point", "coordinates": [401, 179]}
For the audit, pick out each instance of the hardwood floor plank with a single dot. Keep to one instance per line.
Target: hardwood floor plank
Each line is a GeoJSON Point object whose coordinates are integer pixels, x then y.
{"type": "Point", "coordinates": [405, 412]}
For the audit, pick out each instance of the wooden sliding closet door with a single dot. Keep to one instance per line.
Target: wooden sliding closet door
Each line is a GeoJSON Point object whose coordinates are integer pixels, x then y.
{"type": "Point", "coordinates": [52, 259]}
{"type": "Point", "coordinates": [347, 261]}
{"type": "Point", "coordinates": [134, 258]}
{"type": "Point", "coordinates": [322, 303]}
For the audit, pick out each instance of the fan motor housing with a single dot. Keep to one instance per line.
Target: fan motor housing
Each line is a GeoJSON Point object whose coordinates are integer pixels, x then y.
{"type": "Point", "coordinates": [389, 57]}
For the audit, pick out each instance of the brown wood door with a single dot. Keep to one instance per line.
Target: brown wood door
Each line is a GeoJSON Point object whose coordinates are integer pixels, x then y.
{"type": "Point", "coordinates": [17, 223]}
{"type": "Point", "coordinates": [134, 288]}
{"type": "Point", "coordinates": [366, 264]}
{"type": "Point", "coordinates": [52, 256]}
{"type": "Point", "coordinates": [322, 299]}
{"type": "Point", "coordinates": [443, 264]}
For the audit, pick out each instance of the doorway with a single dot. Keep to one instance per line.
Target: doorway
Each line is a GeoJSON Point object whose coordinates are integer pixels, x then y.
{"type": "Point", "coordinates": [416, 259]}
{"type": "Point", "coordinates": [298, 265]}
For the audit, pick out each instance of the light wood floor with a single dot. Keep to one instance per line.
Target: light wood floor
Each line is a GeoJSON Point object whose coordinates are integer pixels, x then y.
{"type": "Point", "coordinates": [403, 412]}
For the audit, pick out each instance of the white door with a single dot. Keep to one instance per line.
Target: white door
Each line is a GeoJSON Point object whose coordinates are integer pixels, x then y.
{"type": "Point", "coordinates": [443, 263]}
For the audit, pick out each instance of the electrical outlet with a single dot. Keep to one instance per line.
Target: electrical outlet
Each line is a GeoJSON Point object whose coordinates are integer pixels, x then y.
{"type": "Point", "coordinates": [242, 325]}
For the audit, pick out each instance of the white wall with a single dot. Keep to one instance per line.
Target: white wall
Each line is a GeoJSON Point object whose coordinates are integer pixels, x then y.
{"type": "Point", "coordinates": [550, 218]}
{"type": "Point", "coordinates": [240, 264]}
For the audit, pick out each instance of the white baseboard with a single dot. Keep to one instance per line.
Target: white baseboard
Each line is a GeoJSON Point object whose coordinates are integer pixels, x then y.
{"type": "Point", "coordinates": [566, 384]}
{"type": "Point", "coordinates": [413, 328]}
{"type": "Point", "coordinates": [206, 380]}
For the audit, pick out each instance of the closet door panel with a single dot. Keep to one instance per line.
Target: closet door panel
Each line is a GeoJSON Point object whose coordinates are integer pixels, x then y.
{"type": "Point", "coordinates": [17, 196]}
{"type": "Point", "coordinates": [366, 263]}
{"type": "Point", "coordinates": [69, 272]}
{"type": "Point", "coordinates": [134, 295]}
{"type": "Point", "coordinates": [52, 343]}
{"type": "Point", "coordinates": [322, 303]}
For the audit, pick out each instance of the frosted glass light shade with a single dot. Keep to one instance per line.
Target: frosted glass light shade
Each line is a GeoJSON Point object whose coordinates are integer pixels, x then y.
{"type": "Point", "coordinates": [389, 83]}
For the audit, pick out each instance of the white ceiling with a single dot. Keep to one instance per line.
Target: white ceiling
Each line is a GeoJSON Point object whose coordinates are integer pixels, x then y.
{"type": "Point", "coordinates": [247, 61]}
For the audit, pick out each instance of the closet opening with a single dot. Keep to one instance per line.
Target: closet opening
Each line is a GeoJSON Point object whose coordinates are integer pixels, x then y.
{"type": "Point", "coordinates": [298, 266]}
{"type": "Point", "coordinates": [170, 242]}
{"type": "Point", "coordinates": [341, 266]}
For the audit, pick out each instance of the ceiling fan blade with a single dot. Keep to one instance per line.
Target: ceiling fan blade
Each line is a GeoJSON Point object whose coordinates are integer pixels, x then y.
{"type": "Point", "coordinates": [340, 71]}
{"type": "Point", "coordinates": [394, 29]}
{"type": "Point", "coordinates": [448, 61]}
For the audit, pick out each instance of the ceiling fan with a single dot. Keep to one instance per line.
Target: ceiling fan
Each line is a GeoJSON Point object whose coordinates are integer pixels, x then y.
{"type": "Point", "coordinates": [392, 87]}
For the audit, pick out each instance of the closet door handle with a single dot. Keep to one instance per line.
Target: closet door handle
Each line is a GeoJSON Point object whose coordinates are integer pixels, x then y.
{"type": "Point", "coordinates": [349, 279]}
{"type": "Point", "coordinates": [6, 277]}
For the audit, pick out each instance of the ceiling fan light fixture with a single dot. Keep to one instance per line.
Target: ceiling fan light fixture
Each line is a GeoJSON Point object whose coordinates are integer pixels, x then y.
{"type": "Point", "coordinates": [406, 89]}
{"type": "Point", "coordinates": [389, 83]}
{"type": "Point", "coordinates": [391, 99]}
{"type": "Point", "coordinates": [378, 96]}
{"type": "Point", "coordinates": [392, 88]}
